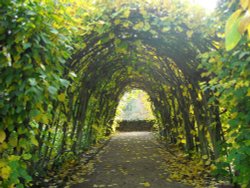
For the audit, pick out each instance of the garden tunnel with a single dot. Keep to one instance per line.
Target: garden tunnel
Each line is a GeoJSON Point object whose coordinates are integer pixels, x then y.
{"type": "Point", "coordinates": [141, 47]}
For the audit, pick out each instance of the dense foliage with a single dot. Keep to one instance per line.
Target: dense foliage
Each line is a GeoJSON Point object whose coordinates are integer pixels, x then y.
{"type": "Point", "coordinates": [229, 74]}
{"type": "Point", "coordinates": [34, 49]}
{"type": "Point", "coordinates": [64, 66]}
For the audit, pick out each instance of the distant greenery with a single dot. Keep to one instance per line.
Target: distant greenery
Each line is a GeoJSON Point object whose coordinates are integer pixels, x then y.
{"type": "Point", "coordinates": [135, 105]}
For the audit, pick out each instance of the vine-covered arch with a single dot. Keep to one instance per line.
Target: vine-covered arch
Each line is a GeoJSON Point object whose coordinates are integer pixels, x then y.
{"type": "Point", "coordinates": [144, 47]}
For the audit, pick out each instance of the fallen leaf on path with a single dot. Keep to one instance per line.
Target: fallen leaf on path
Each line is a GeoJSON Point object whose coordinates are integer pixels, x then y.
{"type": "Point", "coordinates": [145, 184]}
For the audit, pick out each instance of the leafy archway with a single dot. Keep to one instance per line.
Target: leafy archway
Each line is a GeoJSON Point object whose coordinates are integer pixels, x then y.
{"type": "Point", "coordinates": [155, 49]}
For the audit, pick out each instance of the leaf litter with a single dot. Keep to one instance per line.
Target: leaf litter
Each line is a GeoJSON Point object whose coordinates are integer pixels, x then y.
{"type": "Point", "coordinates": [174, 166]}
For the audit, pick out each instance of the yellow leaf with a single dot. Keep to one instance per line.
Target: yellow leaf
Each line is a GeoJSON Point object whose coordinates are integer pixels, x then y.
{"type": "Point", "coordinates": [248, 30]}
{"type": "Point", "coordinates": [2, 163]}
{"type": "Point", "coordinates": [189, 33]}
{"type": "Point", "coordinates": [166, 29]}
{"type": "Point", "coordinates": [193, 132]}
{"type": "Point", "coordinates": [83, 45]}
{"type": "Point", "coordinates": [205, 157]}
{"type": "Point", "coordinates": [126, 24]}
{"type": "Point", "coordinates": [111, 35]}
{"type": "Point", "coordinates": [5, 172]}
{"type": "Point", "coordinates": [248, 92]}
{"type": "Point", "coordinates": [190, 86]}
{"type": "Point", "coordinates": [183, 141]}
{"type": "Point", "coordinates": [139, 26]}
{"type": "Point", "coordinates": [244, 24]}
{"type": "Point", "coordinates": [208, 162]}
{"type": "Point", "coordinates": [244, 3]}
{"type": "Point", "coordinates": [95, 127]}
{"type": "Point", "coordinates": [169, 180]}
{"type": "Point", "coordinates": [216, 44]}
{"type": "Point", "coordinates": [249, 7]}
{"type": "Point", "coordinates": [45, 119]}
{"type": "Point", "coordinates": [2, 136]}
{"type": "Point", "coordinates": [143, 11]}
{"type": "Point", "coordinates": [234, 115]}
{"type": "Point", "coordinates": [213, 167]}
{"type": "Point", "coordinates": [13, 185]}
{"type": "Point", "coordinates": [232, 34]}
{"type": "Point", "coordinates": [3, 146]}
{"type": "Point", "coordinates": [117, 22]}
{"type": "Point", "coordinates": [61, 97]}
{"type": "Point", "coordinates": [38, 117]}
{"type": "Point", "coordinates": [14, 158]}
{"type": "Point", "coordinates": [145, 184]}
{"type": "Point", "coordinates": [126, 13]}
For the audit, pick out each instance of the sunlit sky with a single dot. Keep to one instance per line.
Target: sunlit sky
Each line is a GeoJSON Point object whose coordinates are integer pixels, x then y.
{"type": "Point", "coordinates": [209, 5]}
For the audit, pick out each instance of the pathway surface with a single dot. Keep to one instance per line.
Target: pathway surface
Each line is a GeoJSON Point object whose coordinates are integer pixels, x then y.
{"type": "Point", "coordinates": [130, 160]}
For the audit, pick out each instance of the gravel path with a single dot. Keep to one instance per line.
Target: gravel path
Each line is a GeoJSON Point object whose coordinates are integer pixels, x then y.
{"type": "Point", "coordinates": [130, 160]}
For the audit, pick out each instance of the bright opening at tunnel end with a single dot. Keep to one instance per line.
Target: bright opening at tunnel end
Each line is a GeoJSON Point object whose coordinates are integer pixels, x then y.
{"type": "Point", "coordinates": [135, 105]}
{"type": "Point", "coordinates": [208, 5]}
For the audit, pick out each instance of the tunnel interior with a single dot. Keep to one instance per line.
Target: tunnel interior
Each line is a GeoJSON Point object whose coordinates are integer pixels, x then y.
{"type": "Point", "coordinates": [154, 49]}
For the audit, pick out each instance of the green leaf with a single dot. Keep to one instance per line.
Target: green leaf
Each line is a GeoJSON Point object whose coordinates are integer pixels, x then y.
{"type": "Point", "coordinates": [13, 139]}
{"type": "Point", "coordinates": [26, 45]}
{"type": "Point", "coordinates": [52, 90]}
{"type": "Point", "coordinates": [23, 143]}
{"type": "Point", "coordinates": [26, 156]}
{"type": "Point", "coordinates": [34, 141]}
{"type": "Point", "coordinates": [20, 186]}
{"type": "Point", "coordinates": [32, 82]}
{"type": "Point", "coordinates": [21, 130]}
{"type": "Point", "coordinates": [54, 31]}
{"type": "Point", "coordinates": [64, 82]}
{"type": "Point", "coordinates": [34, 113]}
{"type": "Point", "coordinates": [72, 74]}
